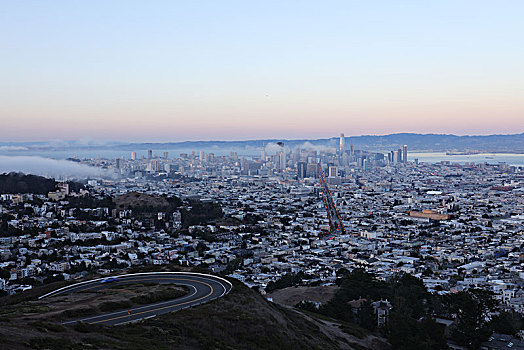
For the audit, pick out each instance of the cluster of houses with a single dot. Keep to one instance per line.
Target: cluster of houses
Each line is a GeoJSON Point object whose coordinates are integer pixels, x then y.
{"type": "Point", "coordinates": [454, 226]}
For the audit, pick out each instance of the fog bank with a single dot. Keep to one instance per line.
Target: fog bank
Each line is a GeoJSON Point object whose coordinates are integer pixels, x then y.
{"type": "Point", "coordinates": [49, 167]}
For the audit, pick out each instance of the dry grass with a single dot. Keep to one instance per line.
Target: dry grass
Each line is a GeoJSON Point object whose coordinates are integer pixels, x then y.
{"type": "Point", "coordinates": [293, 295]}
{"type": "Point", "coordinates": [241, 320]}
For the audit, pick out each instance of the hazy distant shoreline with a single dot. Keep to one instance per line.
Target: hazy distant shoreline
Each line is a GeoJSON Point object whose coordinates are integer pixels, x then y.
{"type": "Point", "coordinates": [519, 153]}
{"type": "Point", "coordinates": [417, 143]}
{"type": "Point", "coordinates": [514, 159]}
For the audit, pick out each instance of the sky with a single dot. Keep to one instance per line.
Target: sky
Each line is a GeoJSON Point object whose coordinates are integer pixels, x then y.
{"type": "Point", "coordinates": [233, 70]}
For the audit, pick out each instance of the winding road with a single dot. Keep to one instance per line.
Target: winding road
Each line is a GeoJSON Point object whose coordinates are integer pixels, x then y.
{"type": "Point", "coordinates": [202, 288]}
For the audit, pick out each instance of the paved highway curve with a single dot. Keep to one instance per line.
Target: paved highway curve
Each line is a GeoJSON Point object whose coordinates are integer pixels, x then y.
{"type": "Point", "coordinates": [202, 288]}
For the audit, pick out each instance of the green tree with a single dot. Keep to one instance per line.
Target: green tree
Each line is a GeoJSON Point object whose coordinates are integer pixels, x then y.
{"type": "Point", "coordinates": [410, 291]}
{"type": "Point", "coordinates": [201, 248]}
{"type": "Point", "coordinates": [472, 311]}
{"type": "Point", "coordinates": [407, 333]}
{"type": "Point", "coordinates": [507, 322]}
{"type": "Point", "coordinates": [361, 284]}
{"type": "Point", "coordinates": [366, 316]}
{"type": "Point", "coordinates": [5, 274]}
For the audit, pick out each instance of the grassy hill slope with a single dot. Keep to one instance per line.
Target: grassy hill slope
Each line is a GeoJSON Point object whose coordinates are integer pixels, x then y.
{"type": "Point", "coordinates": [241, 320]}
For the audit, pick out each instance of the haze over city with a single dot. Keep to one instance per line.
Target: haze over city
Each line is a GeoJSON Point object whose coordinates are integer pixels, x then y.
{"type": "Point", "coordinates": [228, 70]}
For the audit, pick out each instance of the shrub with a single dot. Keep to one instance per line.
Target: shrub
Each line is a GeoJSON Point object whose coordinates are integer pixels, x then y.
{"type": "Point", "coordinates": [77, 313]}
{"type": "Point", "coordinates": [115, 305]}
{"type": "Point", "coordinates": [159, 296]}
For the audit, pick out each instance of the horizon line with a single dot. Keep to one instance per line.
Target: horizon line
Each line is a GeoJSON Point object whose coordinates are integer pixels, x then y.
{"type": "Point", "coordinates": [88, 140]}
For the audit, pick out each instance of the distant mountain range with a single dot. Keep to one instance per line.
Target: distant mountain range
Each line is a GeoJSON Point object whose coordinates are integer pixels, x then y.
{"type": "Point", "coordinates": [421, 142]}
{"type": "Point", "coordinates": [513, 143]}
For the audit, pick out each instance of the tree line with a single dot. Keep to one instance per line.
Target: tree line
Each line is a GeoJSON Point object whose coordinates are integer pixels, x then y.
{"type": "Point", "coordinates": [412, 321]}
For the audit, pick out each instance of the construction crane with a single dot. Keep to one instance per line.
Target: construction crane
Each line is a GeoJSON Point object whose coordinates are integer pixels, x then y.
{"type": "Point", "coordinates": [335, 223]}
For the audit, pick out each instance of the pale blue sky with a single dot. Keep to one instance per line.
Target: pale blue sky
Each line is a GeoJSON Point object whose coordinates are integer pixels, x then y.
{"type": "Point", "coordinates": [176, 70]}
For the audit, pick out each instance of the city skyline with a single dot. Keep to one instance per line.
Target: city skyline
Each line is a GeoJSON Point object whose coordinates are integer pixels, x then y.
{"type": "Point", "coordinates": [181, 71]}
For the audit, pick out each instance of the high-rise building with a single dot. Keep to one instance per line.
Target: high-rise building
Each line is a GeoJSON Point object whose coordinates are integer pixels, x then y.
{"type": "Point", "coordinates": [333, 171]}
{"type": "Point", "coordinates": [263, 155]}
{"type": "Point", "coordinates": [301, 170]}
{"type": "Point", "coordinates": [166, 155]}
{"type": "Point", "coordinates": [399, 155]}
{"type": "Point", "coordinates": [155, 165]}
{"type": "Point", "coordinates": [282, 158]}
{"type": "Point", "coordinates": [311, 170]}
{"type": "Point", "coordinates": [133, 155]}
{"type": "Point", "coordinates": [405, 155]}
{"type": "Point", "coordinates": [344, 160]}
{"type": "Point", "coordinates": [201, 156]}
{"type": "Point", "coordinates": [296, 155]}
{"type": "Point", "coordinates": [117, 163]}
{"type": "Point", "coordinates": [352, 148]}
{"type": "Point", "coordinates": [342, 145]}
{"type": "Point", "coordinates": [149, 154]}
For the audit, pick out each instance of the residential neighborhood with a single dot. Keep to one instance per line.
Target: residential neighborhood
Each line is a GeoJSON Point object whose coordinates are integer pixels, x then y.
{"type": "Point", "coordinates": [454, 226]}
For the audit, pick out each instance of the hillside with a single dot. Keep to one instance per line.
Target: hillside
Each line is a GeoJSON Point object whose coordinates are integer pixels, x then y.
{"type": "Point", "coordinates": [21, 183]}
{"type": "Point", "coordinates": [293, 295]}
{"type": "Point", "coordinates": [241, 320]}
{"type": "Point", "coordinates": [14, 183]}
{"type": "Point", "coordinates": [135, 200]}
